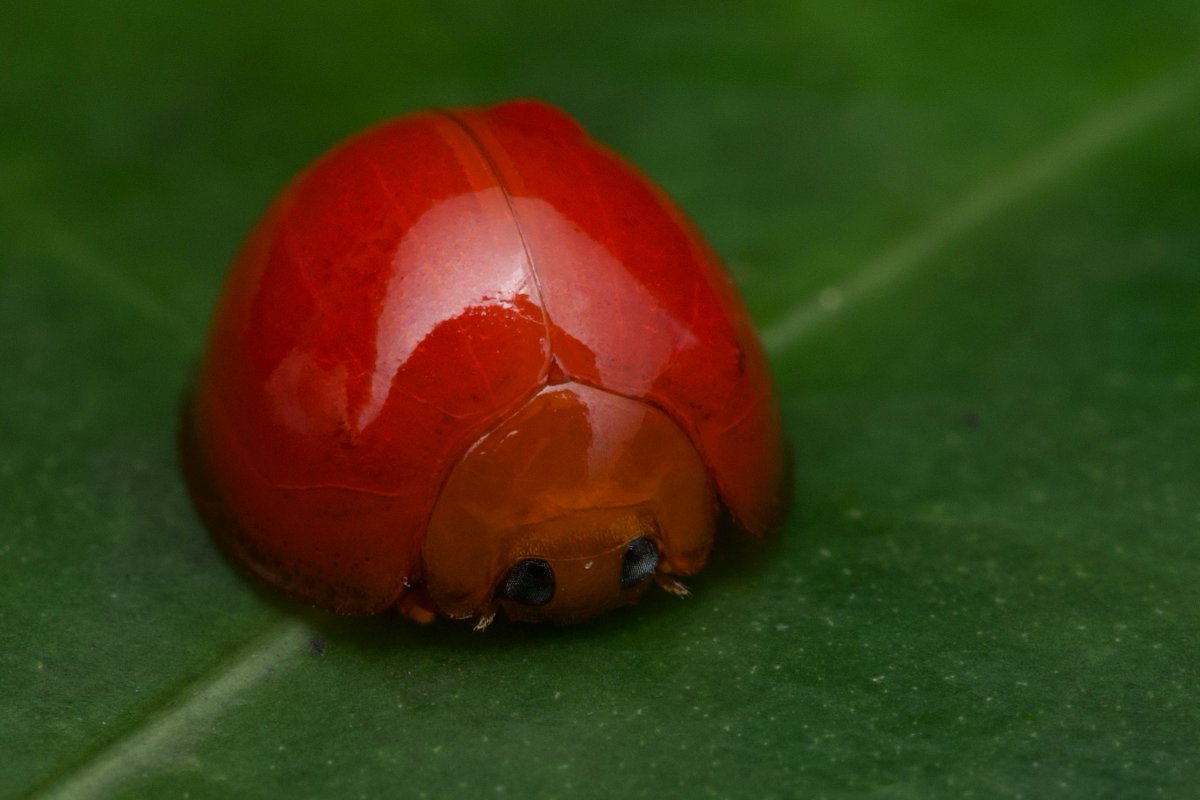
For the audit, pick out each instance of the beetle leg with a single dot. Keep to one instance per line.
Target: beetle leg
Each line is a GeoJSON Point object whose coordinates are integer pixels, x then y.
{"type": "Point", "coordinates": [485, 619]}
{"type": "Point", "coordinates": [417, 606]}
{"type": "Point", "coordinates": [671, 585]}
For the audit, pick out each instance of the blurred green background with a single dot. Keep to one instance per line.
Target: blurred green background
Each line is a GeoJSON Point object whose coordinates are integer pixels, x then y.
{"type": "Point", "coordinates": [971, 234]}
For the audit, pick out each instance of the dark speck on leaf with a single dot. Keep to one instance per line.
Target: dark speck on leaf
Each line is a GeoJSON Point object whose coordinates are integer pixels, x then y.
{"type": "Point", "coordinates": [971, 419]}
{"type": "Point", "coordinates": [317, 645]}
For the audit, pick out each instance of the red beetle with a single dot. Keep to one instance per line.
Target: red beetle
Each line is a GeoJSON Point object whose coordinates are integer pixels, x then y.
{"type": "Point", "coordinates": [472, 360]}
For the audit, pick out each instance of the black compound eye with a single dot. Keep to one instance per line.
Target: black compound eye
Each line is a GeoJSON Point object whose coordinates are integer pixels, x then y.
{"type": "Point", "coordinates": [641, 559]}
{"type": "Point", "coordinates": [530, 582]}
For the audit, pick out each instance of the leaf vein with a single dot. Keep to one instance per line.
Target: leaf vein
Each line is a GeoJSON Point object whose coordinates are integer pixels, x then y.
{"type": "Point", "coordinates": [156, 740]}
{"type": "Point", "coordinates": [987, 200]}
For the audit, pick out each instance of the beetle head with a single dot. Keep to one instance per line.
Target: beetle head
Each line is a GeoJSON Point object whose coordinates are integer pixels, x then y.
{"type": "Point", "coordinates": [568, 508]}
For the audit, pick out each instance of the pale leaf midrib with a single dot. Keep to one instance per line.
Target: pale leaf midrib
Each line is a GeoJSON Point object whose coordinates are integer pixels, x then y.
{"type": "Point", "coordinates": [139, 748]}
{"type": "Point", "coordinates": [1101, 132]}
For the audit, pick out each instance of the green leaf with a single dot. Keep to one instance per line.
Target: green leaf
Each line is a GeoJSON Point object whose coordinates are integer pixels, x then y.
{"type": "Point", "coordinates": [970, 234]}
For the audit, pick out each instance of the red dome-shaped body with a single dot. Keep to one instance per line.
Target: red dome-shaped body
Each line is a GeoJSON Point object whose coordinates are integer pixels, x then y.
{"type": "Point", "coordinates": [419, 288]}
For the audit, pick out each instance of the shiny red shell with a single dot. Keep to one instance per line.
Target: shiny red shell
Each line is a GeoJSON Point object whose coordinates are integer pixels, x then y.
{"type": "Point", "coordinates": [417, 286]}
